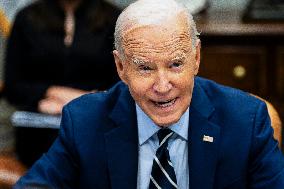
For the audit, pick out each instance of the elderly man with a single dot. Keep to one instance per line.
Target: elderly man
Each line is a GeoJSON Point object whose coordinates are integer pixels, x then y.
{"type": "Point", "coordinates": [162, 127]}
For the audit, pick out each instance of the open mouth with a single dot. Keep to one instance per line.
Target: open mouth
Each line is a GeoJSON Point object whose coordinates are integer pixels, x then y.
{"type": "Point", "coordinates": [164, 104]}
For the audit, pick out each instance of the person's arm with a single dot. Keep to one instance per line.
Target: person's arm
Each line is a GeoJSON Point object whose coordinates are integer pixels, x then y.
{"type": "Point", "coordinates": [266, 168]}
{"type": "Point", "coordinates": [58, 96]}
{"type": "Point", "coordinates": [20, 90]}
{"type": "Point", "coordinates": [58, 168]}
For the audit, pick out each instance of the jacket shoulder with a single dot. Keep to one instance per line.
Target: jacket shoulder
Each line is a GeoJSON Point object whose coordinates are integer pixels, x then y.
{"type": "Point", "coordinates": [221, 95]}
{"type": "Point", "coordinates": [95, 107]}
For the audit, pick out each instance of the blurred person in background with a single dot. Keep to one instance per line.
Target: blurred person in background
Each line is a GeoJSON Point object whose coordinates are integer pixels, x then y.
{"type": "Point", "coordinates": [163, 127]}
{"type": "Point", "coordinates": [58, 50]}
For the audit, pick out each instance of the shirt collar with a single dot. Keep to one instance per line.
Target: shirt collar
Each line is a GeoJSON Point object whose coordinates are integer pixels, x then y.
{"type": "Point", "coordinates": [147, 128]}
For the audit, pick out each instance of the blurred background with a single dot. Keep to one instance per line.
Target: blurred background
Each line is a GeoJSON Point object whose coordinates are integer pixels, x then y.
{"type": "Point", "coordinates": [242, 47]}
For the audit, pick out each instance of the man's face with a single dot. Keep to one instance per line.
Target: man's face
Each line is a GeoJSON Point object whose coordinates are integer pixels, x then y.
{"type": "Point", "coordinates": [159, 69]}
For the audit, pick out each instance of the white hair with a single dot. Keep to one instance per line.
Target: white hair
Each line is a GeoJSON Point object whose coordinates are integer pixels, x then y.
{"type": "Point", "coordinates": [151, 12]}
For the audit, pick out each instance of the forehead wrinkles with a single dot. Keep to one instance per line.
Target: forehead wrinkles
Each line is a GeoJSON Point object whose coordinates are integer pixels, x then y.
{"type": "Point", "coordinates": [138, 43]}
{"type": "Point", "coordinates": [139, 59]}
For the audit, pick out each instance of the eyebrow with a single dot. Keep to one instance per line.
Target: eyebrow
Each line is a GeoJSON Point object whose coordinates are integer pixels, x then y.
{"type": "Point", "coordinates": [179, 57]}
{"type": "Point", "coordinates": [138, 62]}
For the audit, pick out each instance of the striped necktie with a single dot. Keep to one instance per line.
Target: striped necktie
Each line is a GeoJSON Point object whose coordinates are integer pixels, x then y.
{"type": "Point", "coordinates": [163, 174]}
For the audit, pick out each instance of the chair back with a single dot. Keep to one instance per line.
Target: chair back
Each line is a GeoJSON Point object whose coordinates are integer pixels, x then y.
{"type": "Point", "coordinates": [275, 121]}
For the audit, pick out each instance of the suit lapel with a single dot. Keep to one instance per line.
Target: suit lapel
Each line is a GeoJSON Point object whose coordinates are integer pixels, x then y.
{"type": "Point", "coordinates": [122, 144]}
{"type": "Point", "coordinates": [202, 155]}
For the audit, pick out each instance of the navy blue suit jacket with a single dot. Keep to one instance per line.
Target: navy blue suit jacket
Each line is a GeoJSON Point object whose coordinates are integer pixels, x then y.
{"type": "Point", "coordinates": [98, 143]}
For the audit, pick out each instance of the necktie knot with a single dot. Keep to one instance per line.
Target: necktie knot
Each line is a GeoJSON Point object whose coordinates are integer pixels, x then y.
{"type": "Point", "coordinates": [164, 135]}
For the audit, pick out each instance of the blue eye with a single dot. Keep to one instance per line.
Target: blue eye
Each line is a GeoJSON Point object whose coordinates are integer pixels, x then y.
{"type": "Point", "coordinates": [143, 68]}
{"type": "Point", "coordinates": [175, 65]}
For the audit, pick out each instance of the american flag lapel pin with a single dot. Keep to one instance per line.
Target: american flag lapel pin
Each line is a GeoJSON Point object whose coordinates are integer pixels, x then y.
{"type": "Point", "coordinates": [208, 138]}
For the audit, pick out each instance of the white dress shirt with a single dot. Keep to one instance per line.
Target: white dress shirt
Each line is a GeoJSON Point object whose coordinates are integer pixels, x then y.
{"type": "Point", "coordinates": [149, 143]}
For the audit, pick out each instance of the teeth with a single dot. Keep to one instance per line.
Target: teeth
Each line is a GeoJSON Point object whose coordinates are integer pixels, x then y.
{"type": "Point", "coordinates": [166, 103]}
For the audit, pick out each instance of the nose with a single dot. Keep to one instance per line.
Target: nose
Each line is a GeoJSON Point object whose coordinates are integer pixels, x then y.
{"type": "Point", "coordinates": [162, 83]}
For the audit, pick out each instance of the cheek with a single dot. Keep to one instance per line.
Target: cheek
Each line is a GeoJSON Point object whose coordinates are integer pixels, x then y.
{"type": "Point", "coordinates": [137, 84]}
{"type": "Point", "coordinates": [138, 87]}
{"type": "Point", "coordinates": [185, 81]}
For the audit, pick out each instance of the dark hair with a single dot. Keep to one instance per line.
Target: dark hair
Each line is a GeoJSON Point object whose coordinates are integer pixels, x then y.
{"type": "Point", "coordinates": [48, 14]}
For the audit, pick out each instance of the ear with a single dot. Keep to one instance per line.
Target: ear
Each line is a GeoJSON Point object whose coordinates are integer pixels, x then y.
{"type": "Point", "coordinates": [197, 56]}
{"type": "Point", "coordinates": [120, 65]}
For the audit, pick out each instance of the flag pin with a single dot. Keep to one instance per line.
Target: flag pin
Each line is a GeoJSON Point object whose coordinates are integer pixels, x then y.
{"type": "Point", "coordinates": [207, 138]}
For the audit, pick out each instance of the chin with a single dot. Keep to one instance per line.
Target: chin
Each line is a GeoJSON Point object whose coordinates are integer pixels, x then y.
{"type": "Point", "coordinates": [165, 122]}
